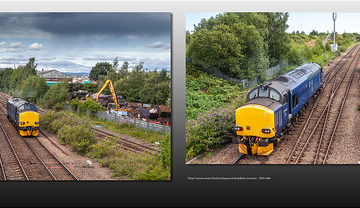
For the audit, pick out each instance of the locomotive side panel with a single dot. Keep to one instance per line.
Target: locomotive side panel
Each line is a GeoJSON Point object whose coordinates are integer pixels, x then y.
{"type": "Point", "coordinates": [283, 97]}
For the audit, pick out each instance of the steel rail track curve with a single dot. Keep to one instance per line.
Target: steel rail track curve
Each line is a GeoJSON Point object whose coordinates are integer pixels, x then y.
{"type": "Point", "coordinates": [325, 110]}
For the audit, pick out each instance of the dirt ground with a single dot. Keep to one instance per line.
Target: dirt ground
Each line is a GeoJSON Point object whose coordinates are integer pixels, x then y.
{"type": "Point", "coordinates": [76, 163]}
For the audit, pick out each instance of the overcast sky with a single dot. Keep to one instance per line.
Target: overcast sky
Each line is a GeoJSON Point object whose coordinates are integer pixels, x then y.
{"type": "Point", "coordinates": [302, 21]}
{"type": "Point", "coordinates": [74, 42]}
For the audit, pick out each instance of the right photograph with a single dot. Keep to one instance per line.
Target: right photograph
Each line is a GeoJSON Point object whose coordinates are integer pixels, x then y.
{"type": "Point", "coordinates": [272, 88]}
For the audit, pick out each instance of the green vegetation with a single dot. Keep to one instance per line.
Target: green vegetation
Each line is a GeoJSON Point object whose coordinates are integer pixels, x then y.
{"type": "Point", "coordinates": [210, 114]}
{"type": "Point", "coordinates": [73, 130]}
{"type": "Point", "coordinates": [82, 106]}
{"type": "Point", "coordinates": [139, 85]}
{"type": "Point", "coordinates": [101, 68]}
{"type": "Point", "coordinates": [23, 82]}
{"type": "Point", "coordinates": [242, 45]}
{"type": "Point", "coordinates": [56, 95]}
{"type": "Point", "coordinates": [76, 131]}
{"type": "Point", "coordinates": [206, 92]}
{"type": "Point", "coordinates": [129, 129]}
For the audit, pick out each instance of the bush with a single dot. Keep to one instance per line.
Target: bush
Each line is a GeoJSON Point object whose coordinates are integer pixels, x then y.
{"type": "Point", "coordinates": [209, 130]}
{"type": "Point", "coordinates": [58, 93]}
{"type": "Point", "coordinates": [103, 147]}
{"type": "Point", "coordinates": [80, 137]}
{"type": "Point", "coordinates": [71, 129]}
{"type": "Point", "coordinates": [33, 88]}
{"type": "Point", "coordinates": [91, 88]}
{"type": "Point", "coordinates": [90, 105]}
{"type": "Point", "coordinates": [205, 92]}
{"type": "Point", "coordinates": [74, 104]}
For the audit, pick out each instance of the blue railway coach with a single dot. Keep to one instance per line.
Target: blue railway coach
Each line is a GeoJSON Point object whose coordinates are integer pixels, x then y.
{"type": "Point", "coordinates": [274, 106]}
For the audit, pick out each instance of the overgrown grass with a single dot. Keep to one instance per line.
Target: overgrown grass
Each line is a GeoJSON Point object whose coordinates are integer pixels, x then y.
{"type": "Point", "coordinates": [210, 120]}
{"type": "Point", "coordinates": [76, 131]}
{"type": "Point", "coordinates": [134, 166]}
{"type": "Point", "coordinates": [129, 129]}
{"type": "Point", "coordinates": [206, 92]}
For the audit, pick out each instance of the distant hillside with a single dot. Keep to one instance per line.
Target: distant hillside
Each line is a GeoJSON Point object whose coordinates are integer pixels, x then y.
{"type": "Point", "coordinates": [76, 73]}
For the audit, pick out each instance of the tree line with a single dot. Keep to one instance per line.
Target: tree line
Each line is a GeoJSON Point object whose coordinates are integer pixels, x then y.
{"type": "Point", "coordinates": [245, 44]}
{"type": "Point", "coordinates": [138, 84]}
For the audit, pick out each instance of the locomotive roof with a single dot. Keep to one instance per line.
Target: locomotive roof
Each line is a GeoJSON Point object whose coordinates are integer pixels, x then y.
{"type": "Point", "coordinates": [269, 103]}
{"type": "Point", "coordinates": [293, 78]}
{"type": "Point", "coordinates": [17, 101]}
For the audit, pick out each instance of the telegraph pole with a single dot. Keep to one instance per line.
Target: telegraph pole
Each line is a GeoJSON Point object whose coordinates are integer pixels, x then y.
{"type": "Point", "coordinates": [334, 15]}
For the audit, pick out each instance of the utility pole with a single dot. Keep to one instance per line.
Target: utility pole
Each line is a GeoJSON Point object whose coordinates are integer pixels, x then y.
{"type": "Point", "coordinates": [334, 15]}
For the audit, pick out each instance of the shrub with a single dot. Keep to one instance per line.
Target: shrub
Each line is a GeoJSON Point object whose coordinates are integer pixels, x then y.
{"type": "Point", "coordinates": [90, 105]}
{"type": "Point", "coordinates": [205, 92]}
{"type": "Point", "coordinates": [58, 93]}
{"type": "Point", "coordinates": [74, 104]}
{"type": "Point", "coordinates": [33, 88]}
{"type": "Point", "coordinates": [103, 147]}
{"type": "Point", "coordinates": [209, 130]}
{"type": "Point", "coordinates": [79, 137]}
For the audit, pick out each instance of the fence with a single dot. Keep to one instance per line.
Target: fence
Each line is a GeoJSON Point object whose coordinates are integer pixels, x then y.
{"type": "Point", "coordinates": [276, 69]}
{"type": "Point", "coordinates": [245, 83]}
{"type": "Point", "coordinates": [120, 119]}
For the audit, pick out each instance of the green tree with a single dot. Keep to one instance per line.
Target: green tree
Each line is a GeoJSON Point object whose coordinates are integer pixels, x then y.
{"type": "Point", "coordinates": [22, 72]}
{"type": "Point", "coordinates": [230, 44]}
{"type": "Point", "coordinates": [33, 88]}
{"type": "Point", "coordinates": [5, 76]}
{"type": "Point", "coordinates": [101, 68]}
{"type": "Point", "coordinates": [57, 94]}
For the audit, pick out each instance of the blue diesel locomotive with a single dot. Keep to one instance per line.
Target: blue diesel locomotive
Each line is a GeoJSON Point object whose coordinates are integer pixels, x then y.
{"type": "Point", "coordinates": [272, 107]}
{"type": "Point", "coordinates": [24, 116]}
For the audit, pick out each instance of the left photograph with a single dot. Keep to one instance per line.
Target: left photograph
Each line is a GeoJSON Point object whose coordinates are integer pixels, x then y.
{"type": "Point", "coordinates": [85, 96]}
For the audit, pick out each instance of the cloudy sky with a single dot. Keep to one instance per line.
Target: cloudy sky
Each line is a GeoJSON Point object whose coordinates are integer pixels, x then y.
{"type": "Point", "coordinates": [74, 42]}
{"type": "Point", "coordinates": [301, 21]}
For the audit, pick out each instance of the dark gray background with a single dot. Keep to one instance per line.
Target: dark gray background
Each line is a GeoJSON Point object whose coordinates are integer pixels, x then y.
{"type": "Point", "coordinates": [328, 185]}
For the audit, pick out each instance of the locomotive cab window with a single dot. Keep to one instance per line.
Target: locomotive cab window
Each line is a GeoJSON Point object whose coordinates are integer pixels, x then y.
{"type": "Point", "coordinates": [253, 94]}
{"type": "Point", "coordinates": [274, 95]}
{"type": "Point", "coordinates": [27, 107]}
{"type": "Point", "coordinates": [263, 92]}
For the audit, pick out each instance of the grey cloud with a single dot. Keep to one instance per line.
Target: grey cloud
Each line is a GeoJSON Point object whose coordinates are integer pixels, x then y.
{"type": "Point", "coordinates": [16, 45]}
{"type": "Point", "coordinates": [35, 47]}
{"type": "Point", "coordinates": [109, 58]}
{"type": "Point", "coordinates": [118, 24]}
{"type": "Point", "coordinates": [158, 45]}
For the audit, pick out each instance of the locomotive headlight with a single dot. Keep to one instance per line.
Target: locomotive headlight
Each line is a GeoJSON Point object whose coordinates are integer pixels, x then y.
{"type": "Point", "coordinates": [22, 122]}
{"type": "Point", "coordinates": [266, 131]}
{"type": "Point", "coordinates": [238, 128]}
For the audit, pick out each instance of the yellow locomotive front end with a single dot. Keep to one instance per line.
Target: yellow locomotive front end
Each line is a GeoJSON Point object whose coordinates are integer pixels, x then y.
{"type": "Point", "coordinates": [29, 123]}
{"type": "Point", "coordinates": [255, 127]}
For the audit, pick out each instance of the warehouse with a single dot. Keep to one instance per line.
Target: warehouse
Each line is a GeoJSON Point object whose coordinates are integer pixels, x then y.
{"type": "Point", "coordinates": [54, 76]}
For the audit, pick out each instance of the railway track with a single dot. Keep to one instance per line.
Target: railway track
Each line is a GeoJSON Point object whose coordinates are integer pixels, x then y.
{"type": "Point", "coordinates": [315, 139]}
{"type": "Point", "coordinates": [11, 167]}
{"type": "Point", "coordinates": [55, 168]}
{"type": "Point", "coordinates": [127, 144]}
{"type": "Point", "coordinates": [237, 159]}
